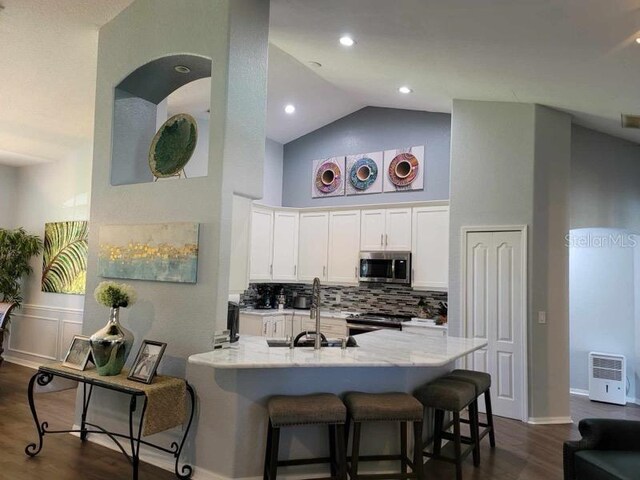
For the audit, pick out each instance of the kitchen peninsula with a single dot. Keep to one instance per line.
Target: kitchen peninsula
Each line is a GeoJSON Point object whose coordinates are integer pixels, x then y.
{"type": "Point", "coordinates": [234, 385]}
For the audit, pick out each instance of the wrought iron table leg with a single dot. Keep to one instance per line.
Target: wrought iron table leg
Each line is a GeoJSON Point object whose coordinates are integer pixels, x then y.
{"type": "Point", "coordinates": [186, 471]}
{"type": "Point", "coordinates": [86, 398]}
{"type": "Point", "coordinates": [41, 379]}
{"type": "Point", "coordinates": [135, 440]}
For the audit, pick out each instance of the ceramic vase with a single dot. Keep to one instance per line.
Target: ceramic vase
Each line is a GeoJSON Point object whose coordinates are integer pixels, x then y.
{"type": "Point", "coordinates": [110, 346]}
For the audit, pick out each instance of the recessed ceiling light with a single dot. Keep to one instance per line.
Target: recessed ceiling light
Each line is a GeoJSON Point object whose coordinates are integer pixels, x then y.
{"type": "Point", "coordinates": [182, 69]}
{"type": "Point", "coordinates": [347, 41]}
{"type": "Point", "coordinates": [404, 89]}
{"type": "Point", "coordinates": [638, 40]}
{"type": "Point", "coordinates": [289, 109]}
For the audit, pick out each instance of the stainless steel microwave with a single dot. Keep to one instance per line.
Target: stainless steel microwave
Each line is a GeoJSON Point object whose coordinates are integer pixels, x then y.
{"type": "Point", "coordinates": [385, 267]}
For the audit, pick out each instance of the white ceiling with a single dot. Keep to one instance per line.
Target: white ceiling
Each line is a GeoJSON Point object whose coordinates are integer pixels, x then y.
{"type": "Point", "coordinates": [576, 55]}
{"type": "Point", "coordinates": [48, 53]}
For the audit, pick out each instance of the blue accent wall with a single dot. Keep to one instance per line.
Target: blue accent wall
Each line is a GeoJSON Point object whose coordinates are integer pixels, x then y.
{"type": "Point", "coordinates": [370, 129]}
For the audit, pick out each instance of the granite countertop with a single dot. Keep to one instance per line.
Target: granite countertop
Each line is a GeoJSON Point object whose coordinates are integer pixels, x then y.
{"type": "Point", "coordinates": [383, 348]}
{"type": "Point", "coordinates": [290, 311]}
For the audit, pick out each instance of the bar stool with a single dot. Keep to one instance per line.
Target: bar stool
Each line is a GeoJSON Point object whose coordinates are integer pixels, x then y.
{"type": "Point", "coordinates": [319, 409]}
{"type": "Point", "coordinates": [447, 395]}
{"type": "Point", "coordinates": [482, 383]}
{"type": "Point", "coordinates": [385, 407]}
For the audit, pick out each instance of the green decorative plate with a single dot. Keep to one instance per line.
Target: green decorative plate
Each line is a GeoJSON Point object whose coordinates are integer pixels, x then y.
{"type": "Point", "coordinates": [173, 145]}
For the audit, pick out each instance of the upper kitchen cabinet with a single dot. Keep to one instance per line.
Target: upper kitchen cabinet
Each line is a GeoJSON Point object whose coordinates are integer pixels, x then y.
{"type": "Point", "coordinates": [285, 246]}
{"type": "Point", "coordinates": [344, 246]}
{"type": "Point", "coordinates": [261, 245]}
{"type": "Point", "coordinates": [430, 248]}
{"type": "Point", "coordinates": [313, 246]}
{"type": "Point", "coordinates": [386, 229]}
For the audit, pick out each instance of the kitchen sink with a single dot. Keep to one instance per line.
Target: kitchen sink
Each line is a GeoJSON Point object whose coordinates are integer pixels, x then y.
{"type": "Point", "coordinates": [331, 342]}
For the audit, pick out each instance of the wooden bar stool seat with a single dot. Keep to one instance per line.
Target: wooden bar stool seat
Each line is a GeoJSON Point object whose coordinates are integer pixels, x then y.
{"type": "Point", "coordinates": [386, 407]}
{"type": "Point", "coordinates": [482, 383]}
{"type": "Point", "coordinates": [319, 409]}
{"type": "Point", "coordinates": [449, 395]}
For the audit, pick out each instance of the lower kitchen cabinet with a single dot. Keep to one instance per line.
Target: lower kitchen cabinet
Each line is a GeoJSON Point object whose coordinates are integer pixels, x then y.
{"type": "Point", "coordinates": [330, 327]}
{"type": "Point", "coordinates": [269, 326]}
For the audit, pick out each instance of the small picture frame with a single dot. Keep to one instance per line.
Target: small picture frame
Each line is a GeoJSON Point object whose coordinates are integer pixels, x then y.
{"type": "Point", "coordinates": [147, 361]}
{"type": "Point", "coordinates": [78, 354]}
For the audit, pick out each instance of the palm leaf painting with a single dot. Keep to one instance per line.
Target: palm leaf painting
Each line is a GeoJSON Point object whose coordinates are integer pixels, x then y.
{"type": "Point", "coordinates": [64, 264]}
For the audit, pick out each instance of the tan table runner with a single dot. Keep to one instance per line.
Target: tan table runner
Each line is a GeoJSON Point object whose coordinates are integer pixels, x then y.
{"type": "Point", "coordinates": [166, 396]}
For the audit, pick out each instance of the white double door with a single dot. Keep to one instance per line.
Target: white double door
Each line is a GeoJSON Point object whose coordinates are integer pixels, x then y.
{"type": "Point", "coordinates": [495, 310]}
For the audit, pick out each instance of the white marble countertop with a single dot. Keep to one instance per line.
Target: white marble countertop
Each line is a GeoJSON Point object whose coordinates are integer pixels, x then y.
{"type": "Point", "coordinates": [289, 311]}
{"type": "Point", "coordinates": [383, 348]}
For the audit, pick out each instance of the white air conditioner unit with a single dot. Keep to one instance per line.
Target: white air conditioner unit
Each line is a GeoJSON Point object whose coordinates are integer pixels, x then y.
{"type": "Point", "coordinates": [607, 378]}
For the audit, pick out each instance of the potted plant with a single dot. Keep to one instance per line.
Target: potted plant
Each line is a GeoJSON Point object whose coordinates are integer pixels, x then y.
{"type": "Point", "coordinates": [110, 346]}
{"type": "Point", "coordinates": [16, 249]}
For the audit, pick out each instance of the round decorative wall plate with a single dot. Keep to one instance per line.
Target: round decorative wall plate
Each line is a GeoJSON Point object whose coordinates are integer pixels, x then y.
{"type": "Point", "coordinates": [328, 177]}
{"type": "Point", "coordinates": [173, 145]}
{"type": "Point", "coordinates": [403, 169]}
{"type": "Point", "coordinates": [363, 173]}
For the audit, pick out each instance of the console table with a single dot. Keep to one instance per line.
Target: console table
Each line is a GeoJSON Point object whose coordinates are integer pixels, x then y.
{"type": "Point", "coordinates": [137, 391]}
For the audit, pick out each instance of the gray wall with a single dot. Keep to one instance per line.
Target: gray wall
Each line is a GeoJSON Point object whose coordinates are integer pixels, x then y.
{"type": "Point", "coordinates": [273, 166]}
{"type": "Point", "coordinates": [603, 291]}
{"type": "Point", "coordinates": [605, 282]}
{"type": "Point", "coordinates": [184, 316]}
{"type": "Point", "coordinates": [510, 166]}
{"type": "Point", "coordinates": [369, 130]}
{"type": "Point", "coordinates": [8, 199]}
{"type": "Point", "coordinates": [605, 181]}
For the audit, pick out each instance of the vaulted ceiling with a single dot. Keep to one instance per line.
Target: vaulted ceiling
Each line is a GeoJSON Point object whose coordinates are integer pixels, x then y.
{"type": "Point", "coordinates": [579, 56]}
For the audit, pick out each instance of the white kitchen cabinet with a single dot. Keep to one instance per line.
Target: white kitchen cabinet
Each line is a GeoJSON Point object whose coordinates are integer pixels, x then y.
{"type": "Point", "coordinates": [313, 246]}
{"type": "Point", "coordinates": [261, 245]}
{"type": "Point", "coordinates": [329, 326]}
{"type": "Point", "coordinates": [240, 244]}
{"type": "Point", "coordinates": [372, 230]}
{"type": "Point", "coordinates": [430, 248]}
{"type": "Point", "coordinates": [344, 246]}
{"type": "Point", "coordinates": [397, 230]}
{"type": "Point", "coordinates": [251, 325]}
{"type": "Point", "coordinates": [285, 246]}
{"type": "Point", "coordinates": [385, 229]}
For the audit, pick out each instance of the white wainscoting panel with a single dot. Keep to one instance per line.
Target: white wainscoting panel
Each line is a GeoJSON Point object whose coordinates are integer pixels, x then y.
{"type": "Point", "coordinates": [40, 333]}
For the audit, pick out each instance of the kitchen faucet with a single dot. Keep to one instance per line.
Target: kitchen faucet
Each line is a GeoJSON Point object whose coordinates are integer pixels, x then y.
{"type": "Point", "coordinates": [315, 312]}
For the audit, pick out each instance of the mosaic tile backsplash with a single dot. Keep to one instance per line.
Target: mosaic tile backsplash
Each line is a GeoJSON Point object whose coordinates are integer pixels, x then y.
{"type": "Point", "coordinates": [366, 298]}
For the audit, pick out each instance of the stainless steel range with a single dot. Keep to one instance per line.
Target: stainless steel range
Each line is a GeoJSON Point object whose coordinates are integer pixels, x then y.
{"type": "Point", "coordinates": [370, 322]}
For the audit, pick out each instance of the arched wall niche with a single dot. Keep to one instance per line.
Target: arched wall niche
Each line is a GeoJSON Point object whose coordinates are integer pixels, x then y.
{"type": "Point", "coordinates": [141, 106]}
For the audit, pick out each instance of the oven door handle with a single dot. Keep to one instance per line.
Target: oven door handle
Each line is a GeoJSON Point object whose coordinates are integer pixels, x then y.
{"type": "Point", "coordinates": [368, 328]}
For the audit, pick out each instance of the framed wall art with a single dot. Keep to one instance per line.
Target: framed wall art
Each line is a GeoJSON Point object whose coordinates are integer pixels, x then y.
{"type": "Point", "coordinates": [404, 169]}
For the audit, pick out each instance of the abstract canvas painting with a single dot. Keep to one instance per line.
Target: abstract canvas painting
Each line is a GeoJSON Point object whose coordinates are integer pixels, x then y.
{"type": "Point", "coordinates": [328, 177]}
{"type": "Point", "coordinates": [404, 169]}
{"type": "Point", "coordinates": [64, 263]}
{"type": "Point", "coordinates": [364, 173]}
{"type": "Point", "coordinates": [165, 252]}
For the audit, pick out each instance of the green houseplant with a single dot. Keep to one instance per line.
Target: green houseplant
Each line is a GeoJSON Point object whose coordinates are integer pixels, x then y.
{"type": "Point", "coordinates": [16, 249]}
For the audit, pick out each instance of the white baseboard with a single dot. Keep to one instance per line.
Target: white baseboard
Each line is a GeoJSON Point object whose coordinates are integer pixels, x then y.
{"type": "Point", "coordinates": [585, 393]}
{"type": "Point", "coordinates": [549, 420]}
{"type": "Point", "coordinates": [153, 457]}
{"type": "Point", "coordinates": [22, 362]}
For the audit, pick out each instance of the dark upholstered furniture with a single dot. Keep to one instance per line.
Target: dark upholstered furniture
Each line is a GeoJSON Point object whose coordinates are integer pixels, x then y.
{"type": "Point", "coordinates": [386, 407]}
{"type": "Point", "coordinates": [319, 409]}
{"type": "Point", "coordinates": [453, 396]}
{"type": "Point", "coordinates": [608, 450]}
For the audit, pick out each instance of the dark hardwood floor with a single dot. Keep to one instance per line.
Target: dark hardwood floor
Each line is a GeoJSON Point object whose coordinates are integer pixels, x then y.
{"type": "Point", "coordinates": [524, 452]}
